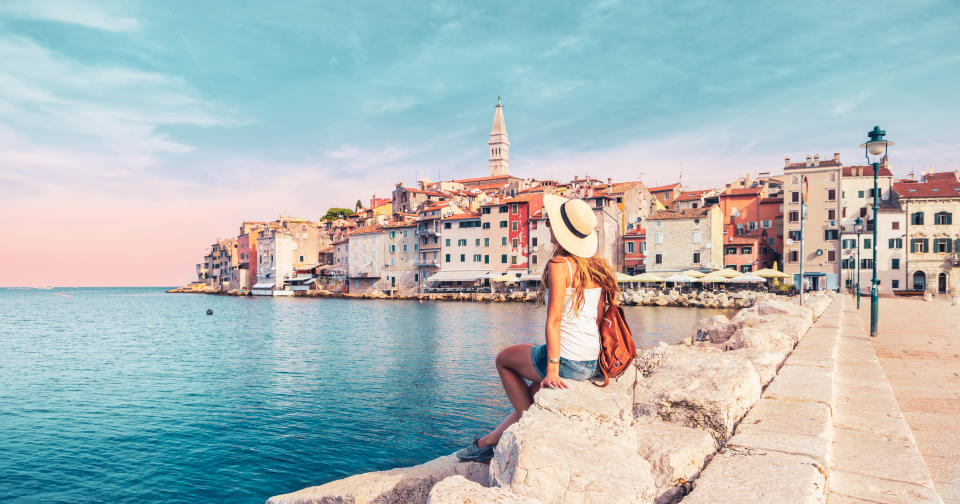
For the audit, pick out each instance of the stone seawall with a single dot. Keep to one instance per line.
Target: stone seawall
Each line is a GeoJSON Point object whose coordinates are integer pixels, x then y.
{"type": "Point", "coordinates": [628, 297]}
{"type": "Point", "coordinates": [646, 438]}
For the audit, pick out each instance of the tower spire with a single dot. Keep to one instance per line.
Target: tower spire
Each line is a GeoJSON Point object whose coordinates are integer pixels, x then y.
{"type": "Point", "coordinates": [499, 144]}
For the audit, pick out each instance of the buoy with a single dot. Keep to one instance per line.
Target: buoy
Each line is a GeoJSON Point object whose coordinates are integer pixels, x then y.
{"type": "Point", "coordinates": [209, 311]}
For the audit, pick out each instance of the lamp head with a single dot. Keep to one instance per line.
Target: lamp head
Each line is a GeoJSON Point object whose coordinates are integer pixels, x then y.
{"type": "Point", "coordinates": [858, 222]}
{"type": "Point", "coordinates": [877, 145]}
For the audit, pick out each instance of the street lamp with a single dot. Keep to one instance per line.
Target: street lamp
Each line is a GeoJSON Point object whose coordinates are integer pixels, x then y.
{"type": "Point", "coordinates": [875, 151]}
{"type": "Point", "coordinates": [858, 227]}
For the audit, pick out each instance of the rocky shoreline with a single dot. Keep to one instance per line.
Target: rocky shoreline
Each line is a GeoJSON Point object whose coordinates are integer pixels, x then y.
{"type": "Point", "coordinates": [628, 297]}
{"type": "Point", "coordinates": [643, 439]}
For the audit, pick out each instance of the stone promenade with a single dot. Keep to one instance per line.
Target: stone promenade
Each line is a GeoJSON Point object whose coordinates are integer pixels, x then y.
{"type": "Point", "coordinates": [918, 347]}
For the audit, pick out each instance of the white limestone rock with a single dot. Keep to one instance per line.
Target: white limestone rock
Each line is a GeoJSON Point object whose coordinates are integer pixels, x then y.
{"type": "Point", "coordinates": [780, 308]}
{"type": "Point", "coordinates": [759, 477]}
{"type": "Point", "coordinates": [675, 453]}
{"type": "Point", "coordinates": [558, 459]}
{"type": "Point", "coordinates": [405, 485]}
{"type": "Point", "coordinates": [764, 338]}
{"type": "Point", "coordinates": [460, 490]}
{"type": "Point", "coordinates": [697, 388]}
{"type": "Point", "coordinates": [716, 328]}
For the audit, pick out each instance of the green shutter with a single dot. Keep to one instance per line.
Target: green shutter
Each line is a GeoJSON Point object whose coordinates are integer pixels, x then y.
{"type": "Point", "coordinates": [948, 244]}
{"type": "Point", "coordinates": [926, 245]}
{"type": "Point", "coordinates": [949, 218]}
{"type": "Point", "coordinates": [913, 246]}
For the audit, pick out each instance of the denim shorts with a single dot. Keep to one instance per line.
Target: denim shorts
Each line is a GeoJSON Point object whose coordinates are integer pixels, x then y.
{"type": "Point", "coordinates": [569, 369]}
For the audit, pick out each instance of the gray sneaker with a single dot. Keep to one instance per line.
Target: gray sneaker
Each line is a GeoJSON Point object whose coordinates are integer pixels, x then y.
{"type": "Point", "coordinates": [475, 453]}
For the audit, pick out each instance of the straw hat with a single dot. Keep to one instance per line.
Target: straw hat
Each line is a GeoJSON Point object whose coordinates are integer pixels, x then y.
{"type": "Point", "coordinates": [573, 223]}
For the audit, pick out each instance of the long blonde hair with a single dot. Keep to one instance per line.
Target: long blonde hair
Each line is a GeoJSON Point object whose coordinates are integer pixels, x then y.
{"type": "Point", "coordinates": [596, 267]}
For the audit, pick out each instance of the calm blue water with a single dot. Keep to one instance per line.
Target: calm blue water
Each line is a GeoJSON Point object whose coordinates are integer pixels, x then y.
{"type": "Point", "coordinates": [135, 395]}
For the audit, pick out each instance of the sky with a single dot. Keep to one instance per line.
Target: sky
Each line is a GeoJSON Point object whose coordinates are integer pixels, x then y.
{"type": "Point", "coordinates": [133, 134]}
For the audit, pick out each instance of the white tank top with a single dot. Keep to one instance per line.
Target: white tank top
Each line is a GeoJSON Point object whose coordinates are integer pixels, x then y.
{"type": "Point", "coordinates": [579, 333]}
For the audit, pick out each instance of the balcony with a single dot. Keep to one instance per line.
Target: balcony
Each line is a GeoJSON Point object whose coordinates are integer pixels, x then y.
{"type": "Point", "coordinates": [427, 232]}
{"type": "Point", "coordinates": [427, 262]}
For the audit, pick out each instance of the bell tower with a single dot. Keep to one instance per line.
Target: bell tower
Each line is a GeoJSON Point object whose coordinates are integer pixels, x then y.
{"type": "Point", "coordinates": [499, 144]}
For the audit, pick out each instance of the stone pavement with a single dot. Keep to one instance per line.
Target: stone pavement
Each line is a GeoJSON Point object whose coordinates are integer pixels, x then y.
{"type": "Point", "coordinates": [918, 347]}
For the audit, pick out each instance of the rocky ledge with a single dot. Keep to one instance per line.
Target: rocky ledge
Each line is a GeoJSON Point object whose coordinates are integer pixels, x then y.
{"type": "Point", "coordinates": [643, 439]}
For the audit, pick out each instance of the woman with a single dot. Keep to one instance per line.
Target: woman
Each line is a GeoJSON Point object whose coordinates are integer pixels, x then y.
{"type": "Point", "coordinates": [577, 282]}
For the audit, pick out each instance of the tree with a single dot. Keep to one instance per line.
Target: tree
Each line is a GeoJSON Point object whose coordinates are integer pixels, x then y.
{"type": "Point", "coordinates": [336, 213]}
{"type": "Point", "coordinates": [359, 205]}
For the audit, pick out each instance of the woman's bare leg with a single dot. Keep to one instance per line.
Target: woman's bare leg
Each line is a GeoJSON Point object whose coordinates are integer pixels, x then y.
{"type": "Point", "coordinates": [514, 364]}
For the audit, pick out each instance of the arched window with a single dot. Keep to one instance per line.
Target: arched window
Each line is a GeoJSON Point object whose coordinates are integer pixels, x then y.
{"type": "Point", "coordinates": [920, 281]}
{"type": "Point", "coordinates": [943, 218]}
{"type": "Point", "coordinates": [916, 218]}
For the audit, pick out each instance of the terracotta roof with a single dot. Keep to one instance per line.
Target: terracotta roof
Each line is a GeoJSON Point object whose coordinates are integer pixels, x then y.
{"type": "Point", "coordinates": [690, 195]}
{"type": "Point", "coordinates": [803, 164]}
{"type": "Point", "coordinates": [621, 187]}
{"type": "Point", "coordinates": [688, 213]}
{"type": "Point", "coordinates": [471, 215]}
{"type": "Point", "coordinates": [938, 189]}
{"type": "Point", "coordinates": [743, 191]}
{"type": "Point", "coordinates": [480, 179]}
{"type": "Point", "coordinates": [367, 230]}
{"type": "Point", "coordinates": [741, 240]}
{"type": "Point", "coordinates": [327, 249]}
{"type": "Point", "coordinates": [664, 187]}
{"type": "Point", "coordinates": [523, 198]}
{"type": "Point", "coordinates": [421, 191]}
{"type": "Point", "coordinates": [939, 176]}
{"type": "Point", "coordinates": [485, 187]}
{"type": "Point", "coordinates": [636, 232]}
{"type": "Point", "coordinates": [865, 171]}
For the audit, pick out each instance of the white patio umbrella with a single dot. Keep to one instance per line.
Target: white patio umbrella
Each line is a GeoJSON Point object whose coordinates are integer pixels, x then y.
{"type": "Point", "coordinates": [679, 277]}
{"type": "Point", "coordinates": [748, 278]}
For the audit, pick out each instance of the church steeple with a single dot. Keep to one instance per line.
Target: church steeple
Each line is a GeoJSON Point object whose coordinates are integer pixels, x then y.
{"type": "Point", "coordinates": [499, 144]}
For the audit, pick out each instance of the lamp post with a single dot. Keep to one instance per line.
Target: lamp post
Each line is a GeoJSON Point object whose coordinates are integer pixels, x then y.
{"type": "Point", "coordinates": [858, 227]}
{"type": "Point", "coordinates": [875, 151]}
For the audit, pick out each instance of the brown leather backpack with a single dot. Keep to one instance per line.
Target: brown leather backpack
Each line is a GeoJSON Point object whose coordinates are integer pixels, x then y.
{"type": "Point", "coordinates": [617, 350]}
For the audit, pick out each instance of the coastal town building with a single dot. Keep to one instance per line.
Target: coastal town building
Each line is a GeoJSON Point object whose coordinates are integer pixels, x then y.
{"type": "Point", "coordinates": [771, 212]}
{"type": "Point", "coordinates": [540, 243]}
{"type": "Point", "coordinates": [856, 191]}
{"type": "Point", "coordinates": [401, 274]}
{"type": "Point", "coordinates": [679, 240]}
{"type": "Point", "coordinates": [821, 236]}
{"type": "Point", "coordinates": [932, 218]}
{"type": "Point", "coordinates": [428, 234]}
{"type": "Point", "coordinates": [410, 200]}
{"type": "Point", "coordinates": [891, 254]}
{"type": "Point", "coordinates": [633, 200]}
{"type": "Point", "coordinates": [745, 234]}
{"type": "Point", "coordinates": [462, 263]}
{"type": "Point", "coordinates": [666, 194]}
{"type": "Point", "coordinates": [692, 199]}
{"type": "Point", "coordinates": [518, 231]}
{"type": "Point", "coordinates": [495, 236]}
{"type": "Point", "coordinates": [634, 251]}
{"type": "Point", "coordinates": [367, 251]}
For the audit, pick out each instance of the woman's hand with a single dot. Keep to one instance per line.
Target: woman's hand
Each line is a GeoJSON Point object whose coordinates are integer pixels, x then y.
{"type": "Point", "coordinates": [553, 380]}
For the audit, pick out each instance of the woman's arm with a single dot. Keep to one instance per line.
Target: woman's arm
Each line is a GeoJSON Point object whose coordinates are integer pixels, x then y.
{"type": "Point", "coordinates": [557, 281]}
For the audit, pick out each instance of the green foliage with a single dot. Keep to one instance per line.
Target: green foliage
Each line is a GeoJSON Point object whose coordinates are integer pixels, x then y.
{"type": "Point", "coordinates": [336, 213]}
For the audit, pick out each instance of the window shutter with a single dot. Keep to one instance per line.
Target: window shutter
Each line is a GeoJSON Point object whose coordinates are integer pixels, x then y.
{"type": "Point", "coordinates": [949, 218]}
{"type": "Point", "coordinates": [890, 244]}
{"type": "Point", "coordinates": [948, 244]}
{"type": "Point", "coordinates": [926, 245]}
{"type": "Point", "coordinates": [913, 246]}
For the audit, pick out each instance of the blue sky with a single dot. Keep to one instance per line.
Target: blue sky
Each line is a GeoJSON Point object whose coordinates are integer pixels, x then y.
{"type": "Point", "coordinates": [244, 110]}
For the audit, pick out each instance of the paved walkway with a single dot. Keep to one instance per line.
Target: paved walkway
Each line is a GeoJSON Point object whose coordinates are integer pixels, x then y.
{"type": "Point", "coordinates": [918, 347]}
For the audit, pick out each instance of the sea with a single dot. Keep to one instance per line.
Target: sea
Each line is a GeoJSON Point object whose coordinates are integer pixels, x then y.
{"type": "Point", "coordinates": [137, 395]}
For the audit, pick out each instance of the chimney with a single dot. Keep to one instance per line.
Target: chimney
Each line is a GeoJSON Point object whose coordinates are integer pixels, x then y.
{"type": "Point", "coordinates": [816, 160]}
{"type": "Point", "coordinates": [609, 180]}
{"type": "Point", "coordinates": [809, 160]}
{"type": "Point", "coordinates": [786, 161]}
{"type": "Point", "coordinates": [836, 156]}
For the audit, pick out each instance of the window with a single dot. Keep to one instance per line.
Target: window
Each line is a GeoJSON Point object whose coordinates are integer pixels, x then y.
{"type": "Point", "coordinates": [916, 218]}
{"type": "Point", "coordinates": [447, 242]}
{"type": "Point", "coordinates": [746, 250]}
{"type": "Point", "coordinates": [919, 245]}
{"type": "Point", "coordinates": [658, 237]}
{"type": "Point", "coordinates": [503, 209]}
{"type": "Point", "coordinates": [533, 224]}
{"type": "Point", "coordinates": [830, 234]}
{"type": "Point", "coordinates": [486, 259]}
{"type": "Point", "coordinates": [447, 258]}
{"type": "Point", "coordinates": [533, 241]}
{"type": "Point", "coordinates": [866, 264]}
{"type": "Point", "coordinates": [794, 235]}
{"type": "Point", "coordinates": [793, 216]}
{"type": "Point", "coordinates": [696, 258]}
{"type": "Point", "coordinates": [941, 245]}
{"type": "Point", "coordinates": [696, 237]}
{"type": "Point", "coordinates": [478, 242]}
{"type": "Point", "coordinates": [771, 241]}
{"type": "Point", "coordinates": [658, 259]}
{"type": "Point", "coordinates": [879, 193]}
{"type": "Point", "coordinates": [730, 251]}
{"type": "Point", "coordinates": [943, 218]}
{"type": "Point", "coordinates": [631, 247]}
{"type": "Point", "coordinates": [895, 263]}
{"type": "Point", "coordinates": [503, 240]}
{"type": "Point", "coordinates": [831, 194]}
{"type": "Point", "coordinates": [393, 234]}
{"type": "Point", "coordinates": [794, 256]}
{"type": "Point", "coordinates": [486, 242]}
{"type": "Point", "coordinates": [833, 176]}
{"type": "Point", "coordinates": [746, 268]}
{"type": "Point", "coordinates": [832, 214]}
{"type": "Point", "coordinates": [867, 243]}
{"type": "Point", "coordinates": [503, 223]}
{"type": "Point", "coordinates": [462, 242]}
{"type": "Point", "coordinates": [895, 243]}
{"type": "Point", "coordinates": [486, 225]}
{"type": "Point", "coordinates": [393, 248]}
{"type": "Point", "coordinates": [404, 247]}
{"type": "Point", "coordinates": [513, 259]}
{"type": "Point", "coordinates": [895, 284]}
{"type": "Point", "coordinates": [485, 210]}
{"type": "Point", "coordinates": [513, 226]}
{"type": "Point", "coordinates": [831, 256]}
{"type": "Point", "coordinates": [795, 197]}
{"type": "Point", "coordinates": [513, 243]}
{"type": "Point", "coordinates": [533, 259]}
{"type": "Point", "coordinates": [513, 208]}
{"type": "Point", "coordinates": [767, 224]}
{"type": "Point", "coordinates": [503, 259]}
{"type": "Point", "coordinates": [895, 225]}
{"type": "Point", "coordinates": [752, 226]}
{"type": "Point", "coordinates": [859, 194]}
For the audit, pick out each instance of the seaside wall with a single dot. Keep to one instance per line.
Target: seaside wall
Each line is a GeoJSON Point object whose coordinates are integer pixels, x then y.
{"type": "Point", "coordinates": [643, 439]}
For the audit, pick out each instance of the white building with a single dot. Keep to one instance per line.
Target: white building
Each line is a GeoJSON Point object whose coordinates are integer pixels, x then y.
{"type": "Point", "coordinates": [275, 250]}
{"type": "Point", "coordinates": [401, 273]}
{"type": "Point", "coordinates": [367, 251]}
{"type": "Point", "coordinates": [891, 255]}
{"type": "Point", "coordinates": [462, 262]}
